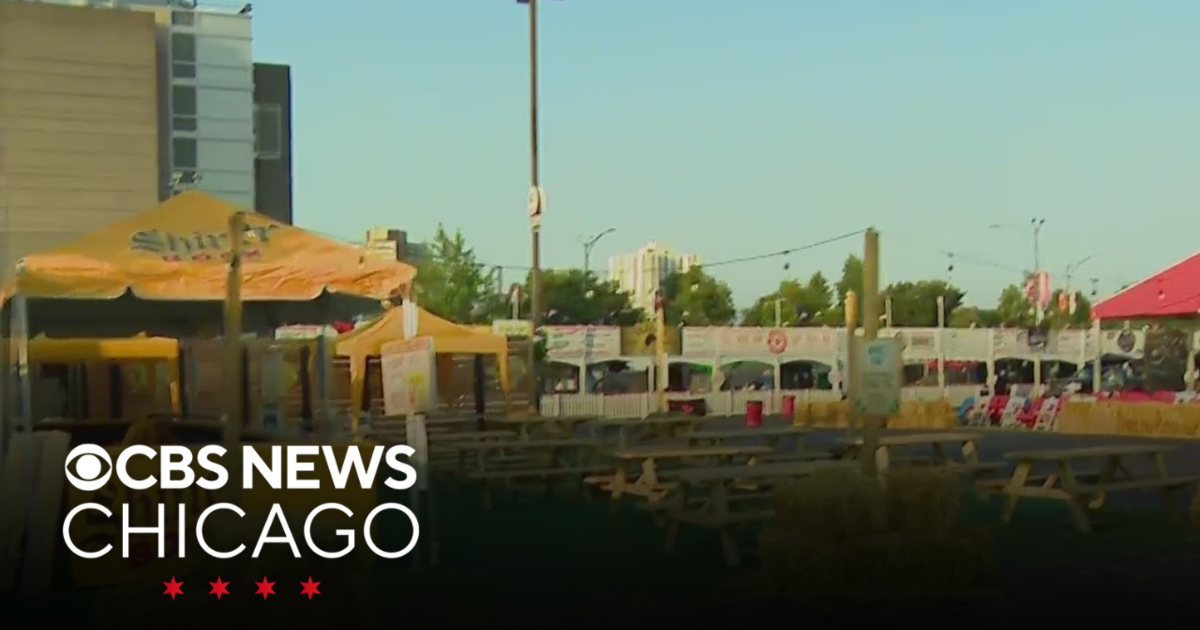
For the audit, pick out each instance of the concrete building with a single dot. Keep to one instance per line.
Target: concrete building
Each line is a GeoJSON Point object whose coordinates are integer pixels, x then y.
{"type": "Point", "coordinates": [273, 140]}
{"type": "Point", "coordinates": [393, 245]}
{"type": "Point", "coordinates": [208, 104]}
{"type": "Point", "coordinates": [640, 273]}
{"type": "Point", "coordinates": [78, 133]}
{"type": "Point", "coordinates": [224, 122]}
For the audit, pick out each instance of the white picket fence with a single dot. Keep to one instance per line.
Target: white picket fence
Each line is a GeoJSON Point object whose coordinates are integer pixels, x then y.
{"type": "Point", "coordinates": [729, 403]}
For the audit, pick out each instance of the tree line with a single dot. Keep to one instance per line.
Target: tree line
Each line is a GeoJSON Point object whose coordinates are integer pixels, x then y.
{"type": "Point", "coordinates": [452, 283]}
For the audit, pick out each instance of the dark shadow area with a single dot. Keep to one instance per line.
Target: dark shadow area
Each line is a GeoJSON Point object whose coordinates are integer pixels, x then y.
{"type": "Point", "coordinates": [565, 559]}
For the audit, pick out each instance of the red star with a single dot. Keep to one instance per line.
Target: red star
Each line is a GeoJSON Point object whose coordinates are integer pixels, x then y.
{"type": "Point", "coordinates": [310, 588]}
{"type": "Point", "coordinates": [265, 588]}
{"type": "Point", "coordinates": [173, 588]}
{"type": "Point", "coordinates": [218, 588]}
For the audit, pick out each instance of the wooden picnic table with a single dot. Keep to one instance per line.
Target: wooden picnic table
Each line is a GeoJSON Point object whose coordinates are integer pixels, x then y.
{"type": "Point", "coordinates": [772, 434]}
{"type": "Point", "coordinates": [967, 461]}
{"type": "Point", "coordinates": [632, 430]}
{"type": "Point", "coordinates": [530, 425]}
{"type": "Point", "coordinates": [1086, 489]}
{"type": "Point", "coordinates": [472, 436]}
{"type": "Point", "coordinates": [545, 460]}
{"type": "Point", "coordinates": [647, 483]}
{"type": "Point", "coordinates": [728, 497]}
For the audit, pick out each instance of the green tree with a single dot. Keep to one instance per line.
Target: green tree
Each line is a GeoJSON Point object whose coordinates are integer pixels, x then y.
{"type": "Point", "coordinates": [1059, 314]}
{"type": "Point", "coordinates": [851, 280]}
{"type": "Point", "coordinates": [1013, 307]}
{"type": "Point", "coordinates": [967, 316]}
{"type": "Point", "coordinates": [573, 297]}
{"type": "Point", "coordinates": [807, 304]}
{"type": "Point", "coordinates": [450, 281]}
{"type": "Point", "coordinates": [916, 303]}
{"type": "Point", "coordinates": [697, 299]}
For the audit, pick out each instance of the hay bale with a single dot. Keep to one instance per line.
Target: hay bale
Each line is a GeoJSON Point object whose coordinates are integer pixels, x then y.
{"type": "Point", "coordinates": [797, 566]}
{"type": "Point", "coordinates": [913, 564]}
{"type": "Point", "coordinates": [922, 500]}
{"type": "Point", "coordinates": [982, 541]}
{"type": "Point", "coordinates": [883, 565]}
{"type": "Point", "coordinates": [832, 506]}
{"type": "Point", "coordinates": [343, 600]}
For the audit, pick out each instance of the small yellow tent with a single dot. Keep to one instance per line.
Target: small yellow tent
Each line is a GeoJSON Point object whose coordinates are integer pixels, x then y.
{"type": "Point", "coordinates": [448, 339]}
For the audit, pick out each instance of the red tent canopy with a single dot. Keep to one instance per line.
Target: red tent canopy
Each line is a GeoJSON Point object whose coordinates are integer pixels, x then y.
{"type": "Point", "coordinates": [1173, 292]}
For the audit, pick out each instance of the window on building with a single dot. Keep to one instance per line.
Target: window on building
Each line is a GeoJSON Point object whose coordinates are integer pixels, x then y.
{"type": "Point", "coordinates": [183, 100]}
{"type": "Point", "coordinates": [183, 18]}
{"type": "Point", "coordinates": [268, 131]}
{"type": "Point", "coordinates": [183, 70]}
{"type": "Point", "coordinates": [184, 123]}
{"type": "Point", "coordinates": [184, 153]}
{"type": "Point", "coordinates": [183, 47]}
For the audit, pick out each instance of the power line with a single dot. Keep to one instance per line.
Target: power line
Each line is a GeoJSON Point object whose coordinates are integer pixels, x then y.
{"type": "Point", "coordinates": [786, 252]}
{"type": "Point", "coordinates": [982, 262]}
{"type": "Point", "coordinates": [720, 263]}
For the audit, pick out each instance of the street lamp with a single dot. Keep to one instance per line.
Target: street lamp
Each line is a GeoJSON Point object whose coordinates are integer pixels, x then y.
{"type": "Point", "coordinates": [1036, 225]}
{"type": "Point", "coordinates": [1073, 267]}
{"type": "Point", "coordinates": [589, 244]}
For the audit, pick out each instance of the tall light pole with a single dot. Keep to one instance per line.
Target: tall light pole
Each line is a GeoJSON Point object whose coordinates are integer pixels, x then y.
{"type": "Point", "coordinates": [1036, 224]}
{"type": "Point", "coordinates": [589, 244]}
{"type": "Point", "coordinates": [536, 205]}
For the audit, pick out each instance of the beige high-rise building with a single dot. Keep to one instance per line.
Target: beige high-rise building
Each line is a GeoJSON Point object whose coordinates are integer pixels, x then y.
{"type": "Point", "coordinates": [79, 145]}
{"type": "Point", "coordinates": [641, 273]}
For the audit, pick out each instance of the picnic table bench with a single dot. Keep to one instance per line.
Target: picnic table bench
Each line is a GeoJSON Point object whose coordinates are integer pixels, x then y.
{"type": "Point", "coordinates": [967, 463]}
{"type": "Point", "coordinates": [1086, 490]}
{"type": "Point", "coordinates": [726, 488]}
{"type": "Point", "coordinates": [528, 426]}
{"type": "Point", "coordinates": [473, 436]}
{"type": "Point", "coordinates": [773, 435]}
{"type": "Point", "coordinates": [646, 482]}
{"type": "Point", "coordinates": [630, 431]}
{"type": "Point", "coordinates": [802, 455]}
{"type": "Point", "coordinates": [547, 461]}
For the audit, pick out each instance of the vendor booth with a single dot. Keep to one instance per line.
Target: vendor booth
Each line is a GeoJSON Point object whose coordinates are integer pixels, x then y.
{"type": "Point", "coordinates": [193, 267]}
{"type": "Point", "coordinates": [410, 321]}
{"type": "Point", "coordinates": [76, 379]}
{"type": "Point", "coordinates": [1169, 302]}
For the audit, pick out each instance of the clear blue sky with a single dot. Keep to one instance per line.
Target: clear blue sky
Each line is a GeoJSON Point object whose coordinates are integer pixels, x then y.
{"type": "Point", "coordinates": [728, 128]}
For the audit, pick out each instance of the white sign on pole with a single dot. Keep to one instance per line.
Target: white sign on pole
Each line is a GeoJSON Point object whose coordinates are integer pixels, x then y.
{"type": "Point", "coordinates": [409, 376]}
{"type": "Point", "coordinates": [410, 389]}
{"type": "Point", "coordinates": [537, 203]}
{"type": "Point", "coordinates": [411, 318]}
{"type": "Point", "coordinates": [880, 377]}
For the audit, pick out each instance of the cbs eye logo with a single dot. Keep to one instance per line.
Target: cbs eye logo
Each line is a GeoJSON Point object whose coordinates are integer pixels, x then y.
{"type": "Point", "coordinates": [92, 467]}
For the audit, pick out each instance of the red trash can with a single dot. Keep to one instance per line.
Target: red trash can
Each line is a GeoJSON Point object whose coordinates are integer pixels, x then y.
{"type": "Point", "coordinates": [789, 407]}
{"type": "Point", "coordinates": [754, 413]}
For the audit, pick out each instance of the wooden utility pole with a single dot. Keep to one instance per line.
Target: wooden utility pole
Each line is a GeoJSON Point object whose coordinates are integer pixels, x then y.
{"type": "Point", "coordinates": [872, 425]}
{"type": "Point", "coordinates": [233, 334]}
{"type": "Point", "coordinates": [849, 384]}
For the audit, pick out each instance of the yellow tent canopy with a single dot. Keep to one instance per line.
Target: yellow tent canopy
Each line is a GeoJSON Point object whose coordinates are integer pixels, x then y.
{"type": "Point", "coordinates": [448, 339]}
{"type": "Point", "coordinates": [166, 269]}
{"type": "Point", "coordinates": [43, 350]}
